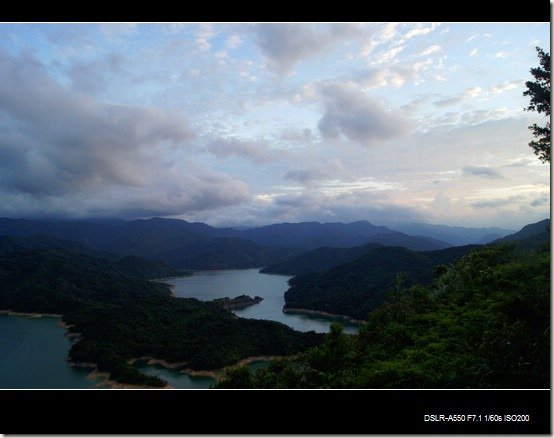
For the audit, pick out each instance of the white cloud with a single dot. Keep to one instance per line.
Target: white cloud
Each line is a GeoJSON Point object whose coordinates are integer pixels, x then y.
{"type": "Point", "coordinates": [233, 42]}
{"type": "Point", "coordinates": [204, 35]}
{"type": "Point", "coordinates": [435, 48]}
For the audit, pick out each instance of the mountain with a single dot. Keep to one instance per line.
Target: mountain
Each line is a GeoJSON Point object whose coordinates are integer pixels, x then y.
{"type": "Point", "coordinates": [453, 235]}
{"type": "Point", "coordinates": [358, 287]}
{"type": "Point", "coordinates": [61, 281]}
{"type": "Point", "coordinates": [9, 244]}
{"type": "Point", "coordinates": [130, 265]}
{"type": "Point", "coordinates": [318, 260]}
{"type": "Point", "coordinates": [120, 317]}
{"type": "Point", "coordinates": [189, 245]}
{"type": "Point", "coordinates": [488, 238]}
{"type": "Point", "coordinates": [530, 236]}
{"type": "Point", "coordinates": [82, 232]}
{"type": "Point", "coordinates": [224, 253]}
{"type": "Point", "coordinates": [311, 235]}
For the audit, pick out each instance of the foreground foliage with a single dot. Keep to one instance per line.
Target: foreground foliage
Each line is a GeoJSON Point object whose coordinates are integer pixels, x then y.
{"type": "Point", "coordinates": [484, 323]}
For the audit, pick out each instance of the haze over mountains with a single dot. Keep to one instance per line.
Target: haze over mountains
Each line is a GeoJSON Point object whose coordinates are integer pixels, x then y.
{"type": "Point", "coordinates": [196, 245]}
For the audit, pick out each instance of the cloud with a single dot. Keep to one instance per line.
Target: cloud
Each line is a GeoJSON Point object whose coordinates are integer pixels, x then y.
{"type": "Point", "coordinates": [314, 206]}
{"type": "Point", "coordinates": [542, 200]}
{"type": "Point", "coordinates": [285, 45]}
{"type": "Point", "coordinates": [502, 87]}
{"type": "Point", "coordinates": [233, 42]}
{"type": "Point", "coordinates": [117, 30]}
{"type": "Point", "coordinates": [203, 37]}
{"type": "Point", "coordinates": [332, 169]}
{"type": "Point", "coordinates": [468, 94]}
{"type": "Point", "coordinates": [228, 147]}
{"type": "Point", "coordinates": [474, 53]}
{"type": "Point", "coordinates": [420, 29]}
{"type": "Point", "coordinates": [92, 76]}
{"type": "Point", "coordinates": [485, 172]}
{"type": "Point", "coordinates": [65, 150]}
{"type": "Point", "coordinates": [496, 203]}
{"type": "Point", "coordinates": [435, 48]}
{"type": "Point", "coordinates": [350, 113]}
{"type": "Point", "coordinates": [395, 75]}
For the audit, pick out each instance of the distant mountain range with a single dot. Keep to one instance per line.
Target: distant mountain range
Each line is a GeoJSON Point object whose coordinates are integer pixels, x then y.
{"type": "Point", "coordinates": [355, 281]}
{"type": "Point", "coordinates": [196, 245]}
{"type": "Point", "coordinates": [199, 246]}
{"type": "Point", "coordinates": [454, 235]}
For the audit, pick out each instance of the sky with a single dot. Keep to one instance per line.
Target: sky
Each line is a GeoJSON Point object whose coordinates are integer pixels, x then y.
{"type": "Point", "coordinates": [256, 123]}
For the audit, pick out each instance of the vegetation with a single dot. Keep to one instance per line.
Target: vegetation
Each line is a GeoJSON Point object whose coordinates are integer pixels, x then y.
{"type": "Point", "coordinates": [539, 93]}
{"type": "Point", "coordinates": [358, 287]}
{"type": "Point", "coordinates": [483, 323]}
{"type": "Point", "coordinates": [318, 260]}
{"type": "Point", "coordinates": [238, 302]}
{"type": "Point", "coordinates": [130, 265]}
{"type": "Point", "coordinates": [224, 253]}
{"type": "Point", "coordinates": [530, 236]}
{"type": "Point", "coordinates": [121, 317]}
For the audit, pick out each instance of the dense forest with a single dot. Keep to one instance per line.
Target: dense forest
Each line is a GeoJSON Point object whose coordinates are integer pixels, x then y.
{"type": "Point", "coordinates": [120, 316]}
{"type": "Point", "coordinates": [358, 287]}
{"type": "Point", "coordinates": [482, 323]}
{"type": "Point", "coordinates": [318, 260]}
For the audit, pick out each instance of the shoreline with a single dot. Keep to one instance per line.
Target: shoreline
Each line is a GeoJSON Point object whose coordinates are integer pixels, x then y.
{"type": "Point", "coordinates": [112, 384]}
{"type": "Point", "coordinates": [30, 314]}
{"type": "Point", "coordinates": [215, 374]}
{"type": "Point", "coordinates": [322, 313]}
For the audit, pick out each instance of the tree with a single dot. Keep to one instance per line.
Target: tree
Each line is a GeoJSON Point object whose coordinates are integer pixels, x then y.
{"type": "Point", "coordinates": [539, 92]}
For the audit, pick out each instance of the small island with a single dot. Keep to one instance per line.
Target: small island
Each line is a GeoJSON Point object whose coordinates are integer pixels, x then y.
{"type": "Point", "coordinates": [238, 302]}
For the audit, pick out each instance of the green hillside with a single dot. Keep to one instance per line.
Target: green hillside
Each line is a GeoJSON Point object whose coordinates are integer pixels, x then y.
{"type": "Point", "coordinates": [484, 323]}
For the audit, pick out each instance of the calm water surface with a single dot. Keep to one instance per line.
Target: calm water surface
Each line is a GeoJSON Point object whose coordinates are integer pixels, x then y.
{"type": "Point", "coordinates": [33, 353]}
{"type": "Point", "coordinates": [207, 285]}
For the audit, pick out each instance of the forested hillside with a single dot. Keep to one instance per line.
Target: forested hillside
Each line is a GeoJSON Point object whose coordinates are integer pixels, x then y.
{"type": "Point", "coordinates": [358, 287]}
{"type": "Point", "coordinates": [483, 323]}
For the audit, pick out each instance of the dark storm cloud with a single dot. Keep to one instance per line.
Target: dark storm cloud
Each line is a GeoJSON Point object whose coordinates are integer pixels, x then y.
{"type": "Point", "coordinates": [350, 113]}
{"type": "Point", "coordinates": [485, 172]}
{"type": "Point", "coordinates": [60, 146]}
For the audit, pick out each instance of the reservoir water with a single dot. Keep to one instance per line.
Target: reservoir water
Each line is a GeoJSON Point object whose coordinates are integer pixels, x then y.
{"type": "Point", "coordinates": [207, 285]}
{"type": "Point", "coordinates": [33, 351]}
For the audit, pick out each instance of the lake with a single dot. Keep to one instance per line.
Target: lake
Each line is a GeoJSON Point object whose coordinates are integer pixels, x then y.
{"type": "Point", "coordinates": [208, 285]}
{"type": "Point", "coordinates": [33, 351]}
